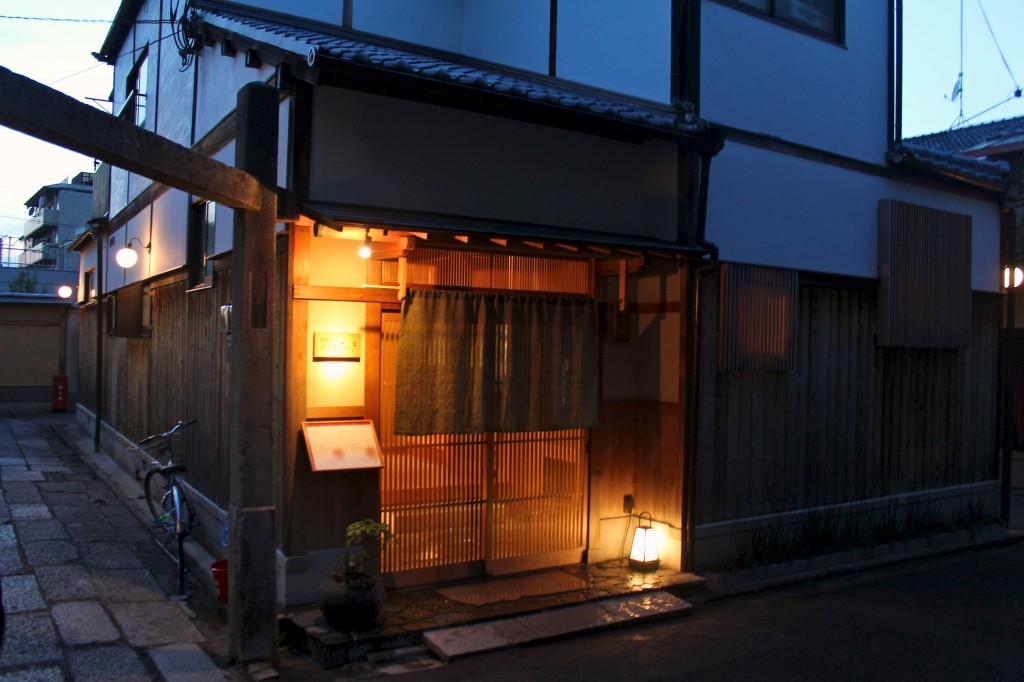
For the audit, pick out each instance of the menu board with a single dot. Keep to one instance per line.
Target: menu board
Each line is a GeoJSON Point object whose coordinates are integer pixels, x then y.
{"type": "Point", "coordinates": [341, 445]}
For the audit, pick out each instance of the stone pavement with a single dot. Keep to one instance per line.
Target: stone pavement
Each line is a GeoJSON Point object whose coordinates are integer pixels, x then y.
{"type": "Point", "coordinates": [87, 586]}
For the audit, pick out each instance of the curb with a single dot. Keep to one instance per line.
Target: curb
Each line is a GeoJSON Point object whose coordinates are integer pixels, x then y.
{"type": "Point", "coordinates": [725, 585]}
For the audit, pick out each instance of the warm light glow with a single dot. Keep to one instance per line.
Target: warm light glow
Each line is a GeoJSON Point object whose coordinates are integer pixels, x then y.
{"type": "Point", "coordinates": [364, 250]}
{"type": "Point", "coordinates": [64, 291]}
{"type": "Point", "coordinates": [126, 257]}
{"type": "Point", "coordinates": [1018, 277]}
{"type": "Point", "coordinates": [644, 554]}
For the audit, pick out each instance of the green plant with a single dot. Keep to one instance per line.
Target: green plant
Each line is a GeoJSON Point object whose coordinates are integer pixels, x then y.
{"type": "Point", "coordinates": [23, 284]}
{"type": "Point", "coordinates": [363, 539]}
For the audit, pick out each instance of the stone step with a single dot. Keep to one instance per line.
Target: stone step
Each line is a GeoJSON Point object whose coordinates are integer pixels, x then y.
{"type": "Point", "coordinates": [474, 638]}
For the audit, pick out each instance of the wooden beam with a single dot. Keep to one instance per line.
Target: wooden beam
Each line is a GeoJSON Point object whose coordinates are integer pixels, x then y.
{"type": "Point", "coordinates": [356, 294]}
{"type": "Point", "coordinates": [44, 113]}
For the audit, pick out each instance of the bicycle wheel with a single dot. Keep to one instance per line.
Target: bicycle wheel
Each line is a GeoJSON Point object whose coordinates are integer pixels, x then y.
{"type": "Point", "coordinates": [178, 518]}
{"type": "Point", "coordinates": [155, 486]}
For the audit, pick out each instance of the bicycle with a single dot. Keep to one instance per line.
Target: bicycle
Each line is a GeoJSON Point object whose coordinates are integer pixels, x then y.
{"type": "Point", "coordinates": [166, 494]}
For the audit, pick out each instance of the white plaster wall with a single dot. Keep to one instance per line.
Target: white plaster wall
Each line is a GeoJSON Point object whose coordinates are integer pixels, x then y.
{"type": "Point", "coordinates": [763, 77]}
{"type": "Point", "coordinates": [329, 11]}
{"type": "Point", "coordinates": [772, 209]}
{"type": "Point", "coordinates": [512, 33]}
{"type": "Point", "coordinates": [170, 231]}
{"type": "Point", "coordinates": [619, 45]}
{"type": "Point", "coordinates": [384, 152]}
{"type": "Point", "coordinates": [437, 23]}
{"type": "Point", "coordinates": [220, 79]}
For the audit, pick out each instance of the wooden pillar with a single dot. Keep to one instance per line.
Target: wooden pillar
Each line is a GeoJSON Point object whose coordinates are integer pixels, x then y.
{"type": "Point", "coordinates": [252, 604]}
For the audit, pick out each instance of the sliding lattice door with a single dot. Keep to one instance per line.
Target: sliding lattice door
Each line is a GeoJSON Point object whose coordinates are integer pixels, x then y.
{"type": "Point", "coordinates": [477, 504]}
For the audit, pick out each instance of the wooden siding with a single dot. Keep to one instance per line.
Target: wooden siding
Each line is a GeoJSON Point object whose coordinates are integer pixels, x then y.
{"type": "Point", "coordinates": [851, 420]}
{"type": "Point", "coordinates": [637, 450]}
{"type": "Point", "coordinates": [179, 372]}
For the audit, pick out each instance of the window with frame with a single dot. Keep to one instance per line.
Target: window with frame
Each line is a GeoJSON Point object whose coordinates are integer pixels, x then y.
{"type": "Point", "coordinates": [202, 239]}
{"type": "Point", "coordinates": [136, 89]}
{"type": "Point", "coordinates": [820, 17]}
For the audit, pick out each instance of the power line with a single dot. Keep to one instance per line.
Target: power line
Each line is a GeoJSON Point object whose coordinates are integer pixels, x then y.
{"type": "Point", "coordinates": [65, 19]}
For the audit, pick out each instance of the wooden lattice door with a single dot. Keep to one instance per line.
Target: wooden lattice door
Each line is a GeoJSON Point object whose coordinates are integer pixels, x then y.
{"type": "Point", "coordinates": [467, 505]}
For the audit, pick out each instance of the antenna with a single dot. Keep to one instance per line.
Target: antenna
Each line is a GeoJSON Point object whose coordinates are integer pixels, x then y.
{"type": "Point", "coordinates": [958, 88]}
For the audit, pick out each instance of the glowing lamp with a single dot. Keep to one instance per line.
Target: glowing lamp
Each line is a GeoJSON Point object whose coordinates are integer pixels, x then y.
{"type": "Point", "coordinates": [1018, 277]}
{"type": "Point", "coordinates": [364, 250]}
{"type": "Point", "coordinates": [126, 256]}
{"type": "Point", "coordinates": [64, 291]}
{"type": "Point", "coordinates": [644, 554]}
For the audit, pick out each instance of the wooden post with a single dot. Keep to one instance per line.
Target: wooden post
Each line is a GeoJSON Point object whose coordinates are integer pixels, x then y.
{"type": "Point", "coordinates": [252, 577]}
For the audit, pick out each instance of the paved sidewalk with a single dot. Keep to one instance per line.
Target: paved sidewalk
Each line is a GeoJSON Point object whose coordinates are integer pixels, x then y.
{"type": "Point", "coordinates": [86, 584]}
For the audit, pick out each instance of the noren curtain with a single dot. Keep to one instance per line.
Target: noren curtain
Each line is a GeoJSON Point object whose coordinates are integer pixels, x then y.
{"type": "Point", "coordinates": [475, 362]}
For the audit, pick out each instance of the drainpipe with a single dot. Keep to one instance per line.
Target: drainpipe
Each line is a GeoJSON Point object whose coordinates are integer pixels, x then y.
{"type": "Point", "coordinates": [713, 143]}
{"type": "Point", "coordinates": [95, 227]}
{"type": "Point", "coordinates": [1012, 221]}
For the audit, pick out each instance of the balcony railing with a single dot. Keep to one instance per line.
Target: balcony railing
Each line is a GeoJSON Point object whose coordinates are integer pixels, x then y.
{"type": "Point", "coordinates": [41, 218]}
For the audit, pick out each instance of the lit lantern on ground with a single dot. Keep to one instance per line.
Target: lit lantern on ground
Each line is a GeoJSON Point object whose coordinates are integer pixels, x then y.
{"type": "Point", "coordinates": [644, 554]}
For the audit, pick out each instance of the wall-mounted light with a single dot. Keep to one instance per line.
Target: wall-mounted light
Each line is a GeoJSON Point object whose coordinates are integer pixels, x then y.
{"type": "Point", "coordinates": [126, 256]}
{"type": "Point", "coordinates": [65, 291]}
{"type": "Point", "coordinates": [364, 250]}
{"type": "Point", "coordinates": [1018, 277]}
{"type": "Point", "coordinates": [644, 554]}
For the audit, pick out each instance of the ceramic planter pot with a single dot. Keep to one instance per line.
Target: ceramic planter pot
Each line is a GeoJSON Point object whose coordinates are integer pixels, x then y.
{"type": "Point", "coordinates": [349, 608]}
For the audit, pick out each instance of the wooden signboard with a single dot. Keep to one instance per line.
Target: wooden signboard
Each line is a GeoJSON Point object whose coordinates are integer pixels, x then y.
{"type": "Point", "coordinates": [341, 445]}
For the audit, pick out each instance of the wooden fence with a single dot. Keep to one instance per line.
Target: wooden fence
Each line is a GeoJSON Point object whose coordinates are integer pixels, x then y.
{"type": "Point", "coordinates": [851, 420]}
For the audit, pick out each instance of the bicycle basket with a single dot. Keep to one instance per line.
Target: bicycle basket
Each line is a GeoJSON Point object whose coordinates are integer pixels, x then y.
{"type": "Point", "coordinates": [155, 452]}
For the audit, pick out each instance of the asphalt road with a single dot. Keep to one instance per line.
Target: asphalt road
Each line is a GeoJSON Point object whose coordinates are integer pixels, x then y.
{"type": "Point", "coordinates": [955, 617]}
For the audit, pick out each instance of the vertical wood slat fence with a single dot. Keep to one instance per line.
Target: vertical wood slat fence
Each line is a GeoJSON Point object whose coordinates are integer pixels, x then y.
{"type": "Point", "coordinates": [179, 372]}
{"type": "Point", "coordinates": [851, 420]}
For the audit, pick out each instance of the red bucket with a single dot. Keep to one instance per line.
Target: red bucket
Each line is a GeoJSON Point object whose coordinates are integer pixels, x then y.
{"type": "Point", "coordinates": [219, 569]}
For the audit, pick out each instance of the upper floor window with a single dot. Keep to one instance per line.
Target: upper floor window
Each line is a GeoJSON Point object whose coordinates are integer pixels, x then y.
{"type": "Point", "coordinates": [202, 239]}
{"type": "Point", "coordinates": [821, 17]}
{"type": "Point", "coordinates": [136, 89]}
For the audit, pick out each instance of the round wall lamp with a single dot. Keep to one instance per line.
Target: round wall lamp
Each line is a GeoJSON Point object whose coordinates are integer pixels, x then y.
{"type": "Point", "coordinates": [126, 256]}
{"type": "Point", "coordinates": [65, 291]}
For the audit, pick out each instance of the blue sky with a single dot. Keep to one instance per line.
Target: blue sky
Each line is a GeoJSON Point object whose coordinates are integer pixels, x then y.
{"type": "Point", "coordinates": [58, 54]}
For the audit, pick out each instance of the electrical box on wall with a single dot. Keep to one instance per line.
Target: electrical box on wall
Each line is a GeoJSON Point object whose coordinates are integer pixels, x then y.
{"type": "Point", "coordinates": [336, 346]}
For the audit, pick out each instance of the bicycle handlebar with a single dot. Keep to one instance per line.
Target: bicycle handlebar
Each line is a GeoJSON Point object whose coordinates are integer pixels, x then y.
{"type": "Point", "coordinates": [182, 423]}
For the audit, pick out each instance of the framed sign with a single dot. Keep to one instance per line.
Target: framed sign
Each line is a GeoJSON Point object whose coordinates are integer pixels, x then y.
{"type": "Point", "coordinates": [342, 445]}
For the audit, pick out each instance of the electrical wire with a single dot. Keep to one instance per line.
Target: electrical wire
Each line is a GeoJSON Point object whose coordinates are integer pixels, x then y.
{"type": "Point", "coordinates": [1016, 85]}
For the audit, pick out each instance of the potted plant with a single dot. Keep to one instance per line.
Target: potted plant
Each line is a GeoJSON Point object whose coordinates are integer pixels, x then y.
{"type": "Point", "coordinates": [352, 596]}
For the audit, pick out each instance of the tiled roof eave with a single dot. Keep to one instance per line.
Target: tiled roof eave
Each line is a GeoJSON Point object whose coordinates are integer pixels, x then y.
{"type": "Point", "coordinates": [990, 175]}
{"type": "Point", "coordinates": [326, 50]}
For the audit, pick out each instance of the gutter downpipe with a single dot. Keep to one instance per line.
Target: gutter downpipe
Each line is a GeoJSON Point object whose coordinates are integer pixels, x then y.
{"type": "Point", "coordinates": [94, 227]}
{"type": "Point", "coordinates": [896, 78]}
{"type": "Point", "coordinates": [1012, 213]}
{"type": "Point", "coordinates": [694, 286]}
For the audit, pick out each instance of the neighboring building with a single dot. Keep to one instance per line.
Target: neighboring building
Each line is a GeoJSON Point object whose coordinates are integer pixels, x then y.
{"type": "Point", "coordinates": [625, 257]}
{"type": "Point", "coordinates": [1003, 142]}
{"type": "Point", "coordinates": [57, 213]}
{"type": "Point", "coordinates": [38, 327]}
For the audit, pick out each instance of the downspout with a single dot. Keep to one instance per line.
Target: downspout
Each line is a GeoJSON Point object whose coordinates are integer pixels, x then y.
{"type": "Point", "coordinates": [896, 74]}
{"type": "Point", "coordinates": [94, 227]}
{"type": "Point", "coordinates": [1013, 211]}
{"type": "Point", "coordinates": [694, 287]}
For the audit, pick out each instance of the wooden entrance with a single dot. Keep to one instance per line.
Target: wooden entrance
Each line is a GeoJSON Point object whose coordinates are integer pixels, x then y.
{"type": "Point", "coordinates": [469, 505]}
